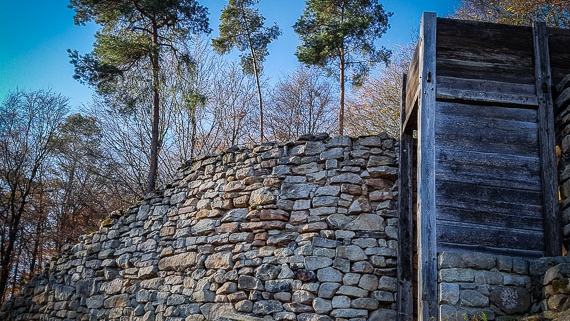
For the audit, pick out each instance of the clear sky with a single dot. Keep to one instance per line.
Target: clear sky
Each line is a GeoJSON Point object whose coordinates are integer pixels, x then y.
{"type": "Point", "coordinates": [35, 35]}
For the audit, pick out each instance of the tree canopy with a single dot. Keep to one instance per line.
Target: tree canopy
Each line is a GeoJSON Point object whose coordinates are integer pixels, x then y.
{"type": "Point", "coordinates": [134, 34]}
{"type": "Point", "coordinates": [242, 27]}
{"type": "Point", "coordinates": [339, 35]}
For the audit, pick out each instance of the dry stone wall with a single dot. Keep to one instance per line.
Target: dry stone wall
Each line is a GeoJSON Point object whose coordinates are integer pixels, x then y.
{"type": "Point", "coordinates": [302, 231]}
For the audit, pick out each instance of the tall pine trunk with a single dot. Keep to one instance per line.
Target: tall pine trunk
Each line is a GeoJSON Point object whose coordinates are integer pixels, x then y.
{"type": "Point", "coordinates": [153, 171]}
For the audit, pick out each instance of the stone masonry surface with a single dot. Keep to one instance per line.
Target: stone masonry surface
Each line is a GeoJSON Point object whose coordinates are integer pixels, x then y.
{"type": "Point", "coordinates": [303, 231]}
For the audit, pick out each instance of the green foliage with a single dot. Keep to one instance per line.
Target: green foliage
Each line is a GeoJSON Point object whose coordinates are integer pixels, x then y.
{"type": "Point", "coordinates": [135, 36]}
{"type": "Point", "coordinates": [333, 32]}
{"type": "Point", "coordinates": [242, 27]}
{"type": "Point", "coordinates": [132, 32]}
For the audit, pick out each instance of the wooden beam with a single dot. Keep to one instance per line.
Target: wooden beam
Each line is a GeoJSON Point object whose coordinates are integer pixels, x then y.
{"type": "Point", "coordinates": [405, 304]}
{"type": "Point", "coordinates": [427, 261]}
{"type": "Point", "coordinates": [546, 138]}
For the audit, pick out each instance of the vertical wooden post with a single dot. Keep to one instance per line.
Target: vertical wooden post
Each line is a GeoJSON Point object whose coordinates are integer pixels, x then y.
{"type": "Point", "coordinates": [427, 260]}
{"type": "Point", "coordinates": [546, 138]}
{"type": "Point", "coordinates": [405, 302]}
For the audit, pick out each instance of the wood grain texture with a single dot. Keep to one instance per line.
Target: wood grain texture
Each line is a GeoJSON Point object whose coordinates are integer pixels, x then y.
{"type": "Point", "coordinates": [487, 135]}
{"type": "Point", "coordinates": [485, 91]}
{"type": "Point", "coordinates": [427, 261]}
{"type": "Point", "coordinates": [484, 42]}
{"type": "Point", "coordinates": [558, 44]}
{"type": "Point", "coordinates": [547, 143]}
{"type": "Point", "coordinates": [405, 298]}
{"type": "Point", "coordinates": [487, 236]}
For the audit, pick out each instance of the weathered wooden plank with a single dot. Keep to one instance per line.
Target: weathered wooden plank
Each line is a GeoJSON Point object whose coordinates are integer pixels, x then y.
{"type": "Point", "coordinates": [558, 44]}
{"type": "Point", "coordinates": [488, 136]}
{"type": "Point", "coordinates": [413, 78]}
{"type": "Point", "coordinates": [427, 248]}
{"type": "Point", "coordinates": [485, 70]}
{"type": "Point", "coordinates": [492, 219]}
{"type": "Point", "coordinates": [521, 209]}
{"type": "Point", "coordinates": [443, 246]}
{"type": "Point", "coordinates": [552, 234]}
{"type": "Point", "coordinates": [499, 170]}
{"type": "Point", "coordinates": [484, 42]}
{"type": "Point", "coordinates": [485, 91]}
{"type": "Point", "coordinates": [457, 190]}
{"type": "Point", "coordinates": [471, 234]}
{"type": "Point", "coordinates": [405, 220]}
{"type": "Point", "coordinates": [480, 177]}
{"type": "Point", "coordinates": [487, 111]}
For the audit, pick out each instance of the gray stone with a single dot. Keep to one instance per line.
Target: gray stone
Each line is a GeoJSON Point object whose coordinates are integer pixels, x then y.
{"type": "Point", "coordinates": [473, 299]}
{"type": "Point", "coordinates": [338, 220]}
{"type": "Point", "coordinates": [262, 196]}
{"type": "Point", "coordinates": [298, 307]}
{"type": "Point", "coordinates": [295, 191]}
{"type": "Point", "coordinates": [368, 282]}
{"type": "Point", "coordinates": [317, 262]}
{"type": "Point", "coordinates": [63, 293]}
{"type": "Point", "coordinates": [246, 282]}
{"type": "Point", "coordinates": [362, 267]}
{"type": "Point", "coordinates": [220, 260]}
{"type": "Point", "coordinates": [512, 300]}
{"type": "Point", "coordinates": [387, 283]}
{"type": "Point", "coordinates": [329, 274]}
{"type": "Point", "coordinates": [267, 272]}
{"type": "Point", "coordinates": [351, 252]}
{"type": "Point", "coordinates": [351, 279]}
{"type": "Point", "coordinates": [352, 291]}
{"type": "Point", "coordinates": [202, 292]}
{"type": "Point", "coordinates": [328, 191]}
{"type": "Point", "coordinates": [235, 215]}
{"type": "Point", "coordinates": [359, 205]}
{"type": "Point", "coordinates": [85, 288]}
{"type": "Point", "coordinates": [176, 299]}
{"type": "Point", "coordinates": [323, 242]}
{"type": "Point", "coordinates": [178, 262]}
{"type": "Point", "coordinates": [383, 315]}
{"type": "Point", "coordinates": [278, 285]}
{"type": "Point", "coordinates": [349, 313]}
{"type": "Point", "coordinates": [95, 301]}
{"type": "Point", "coordinates": [349, 178]}
{"type": "Point", "coordinates": [340, 302]}
{"type": "Point", "coordinates": [322, 306]}
{"type": "Point", "coordinates": [113, 287]}
{"type": "Point", "coordinates": [147, 272]}
{"type": "Point", "coordinates": [456, 275]}
{"type": "Point", "coordinates": [116, 301]}
{"type": "Point", "coordinates": [375, 161]}
{"type": "Point", "coordinates": [321, 201]}
{"type": "Point", "coordinates": [266, 307]}
{"type": "Point", "coordinates": [227, 288]}
{"type": "Point", "coordinates": [328, 289]}
{"type": "Point", "coordinates": [333, 153]}
{"type": "Point", "coordinates": [367, 222]}
{"type": "Point", "coordinates": [205, 226]}
{"type": "Point", "coordinates": [365, 303]}
{"type": "Point", "coordinates": [449, 293]}
{"type": "Point", "coordinates": [303, 297]}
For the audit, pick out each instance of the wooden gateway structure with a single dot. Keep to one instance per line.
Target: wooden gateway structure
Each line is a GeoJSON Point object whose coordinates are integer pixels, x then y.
{"type": "Point", "coordinates": [478, 164]}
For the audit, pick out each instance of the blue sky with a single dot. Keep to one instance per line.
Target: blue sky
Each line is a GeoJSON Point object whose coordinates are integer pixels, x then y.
{"type": "Point", "coordinates": [35, 35]}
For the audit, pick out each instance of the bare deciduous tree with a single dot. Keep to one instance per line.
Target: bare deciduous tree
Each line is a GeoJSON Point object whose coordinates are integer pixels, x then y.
{"type": "Point", "coordinates": [302, 103]}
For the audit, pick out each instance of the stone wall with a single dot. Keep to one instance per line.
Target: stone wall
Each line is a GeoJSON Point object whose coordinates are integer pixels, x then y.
{"type": "Point", "coordinates": [477, 284]}
{"type": "Point", "coordinates": [303, 231]}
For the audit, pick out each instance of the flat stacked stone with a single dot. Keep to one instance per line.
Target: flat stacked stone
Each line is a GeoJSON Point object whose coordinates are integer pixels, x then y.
{"type": "Point", "coordinates": [302, 231]}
